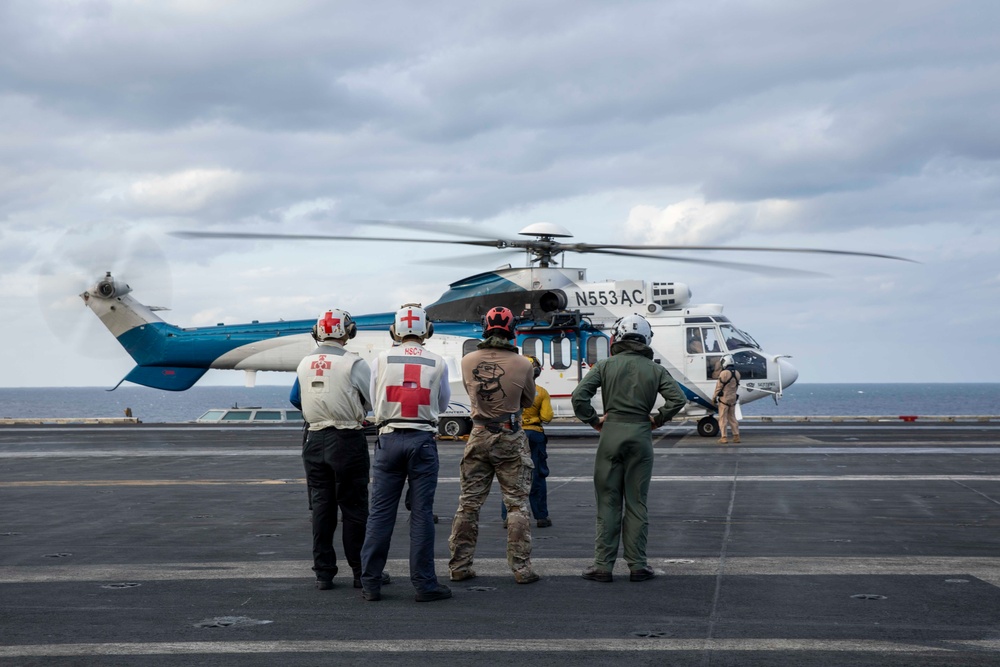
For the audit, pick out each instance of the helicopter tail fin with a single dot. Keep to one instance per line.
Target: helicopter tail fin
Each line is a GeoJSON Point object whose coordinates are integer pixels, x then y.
{"type": "Point", "coordinates": [146, 337]}
{"type": "Point", "coordinates": [168, 378]}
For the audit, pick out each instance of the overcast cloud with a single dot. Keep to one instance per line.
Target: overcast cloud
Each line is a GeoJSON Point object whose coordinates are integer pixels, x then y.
{"type": "Point", "coordinates": [842, 124]}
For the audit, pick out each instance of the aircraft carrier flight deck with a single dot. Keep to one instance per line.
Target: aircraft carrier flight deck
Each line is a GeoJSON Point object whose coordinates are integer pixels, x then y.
{"type": "Point", "coordinates": [806, 544]}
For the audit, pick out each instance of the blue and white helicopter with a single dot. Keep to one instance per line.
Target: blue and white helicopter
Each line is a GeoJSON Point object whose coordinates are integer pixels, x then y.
{"type": "Point", "coordinates": [564, 322]}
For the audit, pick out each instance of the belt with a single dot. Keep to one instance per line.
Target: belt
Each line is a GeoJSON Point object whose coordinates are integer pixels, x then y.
{"type": "Point", "coordinates": [400, 423]}
{"type": "Point", "coordinates": [508, 421]}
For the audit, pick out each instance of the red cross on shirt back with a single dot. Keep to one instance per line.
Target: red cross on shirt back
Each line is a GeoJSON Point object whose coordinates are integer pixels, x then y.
{"type": "Point", "coordinates": [410, 395]}
{"type": "Point", "coordinates": [320, 365]}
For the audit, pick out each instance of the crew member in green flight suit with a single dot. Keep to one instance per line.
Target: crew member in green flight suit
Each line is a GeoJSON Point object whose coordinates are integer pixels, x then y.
{"type": "Point", "coordinates": [629, 381]}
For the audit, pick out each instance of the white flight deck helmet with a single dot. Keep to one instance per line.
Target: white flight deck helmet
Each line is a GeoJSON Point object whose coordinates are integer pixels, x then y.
{"type": "Point", "coordinates": [411, 320]}
{"type": "Point", "coordinates": [632, 327]}
{"type": "Point", "coordinates": [334, 324]}
{"type": "Point", "coordinates": [728, 361]}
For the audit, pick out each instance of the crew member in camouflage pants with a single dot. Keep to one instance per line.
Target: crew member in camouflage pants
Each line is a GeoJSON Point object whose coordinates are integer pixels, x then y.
{"type": "Point", "coordinates": [500, 383]}
{"type": "Point", "coordinates": [507, 455]}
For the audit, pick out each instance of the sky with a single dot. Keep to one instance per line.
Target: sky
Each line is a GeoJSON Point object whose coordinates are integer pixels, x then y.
{"type": "Point", "coordinates": [836, 124]}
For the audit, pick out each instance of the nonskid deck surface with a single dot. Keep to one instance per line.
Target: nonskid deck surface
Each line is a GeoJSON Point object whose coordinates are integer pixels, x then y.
{"type": "Point", "coordinates": [818, 544]}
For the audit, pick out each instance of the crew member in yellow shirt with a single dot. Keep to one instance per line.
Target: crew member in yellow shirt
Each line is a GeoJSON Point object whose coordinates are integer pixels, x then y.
{"type": "Point", "coordinates": [532, 419]}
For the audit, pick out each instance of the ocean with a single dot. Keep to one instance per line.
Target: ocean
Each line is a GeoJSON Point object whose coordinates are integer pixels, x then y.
{"type": "Point", "coordinates": [154, 406]}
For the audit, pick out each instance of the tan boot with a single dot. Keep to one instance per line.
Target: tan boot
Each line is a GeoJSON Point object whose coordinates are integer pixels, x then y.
{"type": "Point", "coordinates": [723, 441]}
{"type": "Point", "coordinates": [736, 438]}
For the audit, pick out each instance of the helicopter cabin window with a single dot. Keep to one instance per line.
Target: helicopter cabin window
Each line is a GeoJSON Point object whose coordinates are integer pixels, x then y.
{"type": "Point", "coordinates": [597, 349]}
{"type": "Point", "coordinates": [736, 339]}
{"type": "Point", "coordinates": [267, 415]}
{"type": "Point", "coordinates": [711, 339]}
{"type": "Point", "coordinates": [562, 353]}
{"type": "Point", "coordinates": [534, 347]}
{"type": "Point", "coordinates": [469, 346]}
{"type": "Point", "coordinates": [237, 416]}
{"type": "Point", "coordinates": [694, 342]}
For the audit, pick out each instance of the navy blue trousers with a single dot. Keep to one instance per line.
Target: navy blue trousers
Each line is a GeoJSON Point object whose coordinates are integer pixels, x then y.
{"type": "Point", "coordinates": [402, 456]}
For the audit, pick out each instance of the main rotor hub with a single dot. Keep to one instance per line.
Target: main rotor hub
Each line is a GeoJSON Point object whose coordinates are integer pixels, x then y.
{"type": "Point", "coordinates": [545, 247]}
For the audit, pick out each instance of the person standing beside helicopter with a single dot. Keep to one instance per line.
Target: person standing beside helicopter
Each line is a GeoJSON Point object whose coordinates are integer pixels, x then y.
{"type": "Point", "coordinates": [332, 390]}
{"type": "Point", "coordinates": [540, 412]}
{"type": "Point", "coordinates": [630, 382]}
{"type": "Point", "coordinates": [500, 383]}
{"type": "Point", "coordinates": [726, 398]}
{"type": "Point", "coordinates": [410, 388]}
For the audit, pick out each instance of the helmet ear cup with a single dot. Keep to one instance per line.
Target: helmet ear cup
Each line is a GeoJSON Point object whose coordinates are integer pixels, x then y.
{"type": "Point", "coordinates": [430, 329]}
{"type": "Point", "coordinates": [392, 332]}
{"type": "Point", "coordinates": [351, 328]}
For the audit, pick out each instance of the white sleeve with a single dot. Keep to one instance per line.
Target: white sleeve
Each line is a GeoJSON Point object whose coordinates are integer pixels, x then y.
{"type": "Point", "coordinates": [444, 392]}
{"type": "Point", "coordinates": [373, 383]}
{"type": "Point", "coordinates": [361, 377]}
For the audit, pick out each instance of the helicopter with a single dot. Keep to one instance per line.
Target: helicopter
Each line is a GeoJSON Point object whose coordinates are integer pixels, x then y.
{"type": "Point", "coordinates": [563, 321]}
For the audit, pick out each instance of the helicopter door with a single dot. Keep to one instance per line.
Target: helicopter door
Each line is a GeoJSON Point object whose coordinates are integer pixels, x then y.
{"type": "Point", "coordinates": [702, 349]}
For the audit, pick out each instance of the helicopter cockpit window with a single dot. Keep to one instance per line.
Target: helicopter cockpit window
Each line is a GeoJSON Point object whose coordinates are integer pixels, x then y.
{"type": "Point", "coordinates": [736, 339]}
{"type": "Point", "coordinates": [533, 346]}
{"type": "Point", "coordinates": [469, 345]}
{"type": "Point", "coordinates": [694, 342]}
{"type": "Point", "coordinates": [751, 365]}
{"type": "Point", "coordinates": [562, 353]}
{"type": "Point", "coordinates": [597, 349]}
{"type": "Point", "coordinates": [711, 339]}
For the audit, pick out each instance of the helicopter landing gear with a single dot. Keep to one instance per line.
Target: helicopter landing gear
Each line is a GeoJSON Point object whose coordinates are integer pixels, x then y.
{"type": "Point", "coordinates": [454, 426]}
{"type": "Point", "coordinates": [708, 427]}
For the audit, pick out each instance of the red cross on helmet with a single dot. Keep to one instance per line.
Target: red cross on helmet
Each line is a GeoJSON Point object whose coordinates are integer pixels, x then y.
{"type": "Point", "coordinates": [334, 324]}
{"type": "Point", "coordinates": [498, 321]}
{"type": "Point", "coordinates": [411, 320]}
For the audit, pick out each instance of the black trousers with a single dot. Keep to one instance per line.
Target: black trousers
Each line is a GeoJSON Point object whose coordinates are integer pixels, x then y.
{"type": "Point", "coordinates": [337, 467]}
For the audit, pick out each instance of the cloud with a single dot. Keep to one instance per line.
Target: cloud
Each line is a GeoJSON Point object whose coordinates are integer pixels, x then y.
{"type": "Point", "coordinates": [697, 222]}
{"type": "Point", "coordinates": [843, 124]}
{"type": "Point", "coordinates": [178, 193]}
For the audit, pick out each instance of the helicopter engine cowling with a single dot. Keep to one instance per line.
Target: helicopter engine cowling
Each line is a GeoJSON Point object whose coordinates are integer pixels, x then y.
{"type": "Point", "coordinates": [667, 296]}
{"type": "Point", "coordinates": [552, 301]}
{"type": "Point", "coordinates": [109, 288]}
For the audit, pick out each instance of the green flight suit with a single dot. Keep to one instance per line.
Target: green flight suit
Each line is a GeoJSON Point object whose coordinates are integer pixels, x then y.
{"type": "Point", "coordinates": [629, 381]}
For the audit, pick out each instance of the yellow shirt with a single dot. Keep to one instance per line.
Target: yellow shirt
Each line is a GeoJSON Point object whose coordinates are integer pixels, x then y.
{"type": "Point", "coordinates": [540, 411]}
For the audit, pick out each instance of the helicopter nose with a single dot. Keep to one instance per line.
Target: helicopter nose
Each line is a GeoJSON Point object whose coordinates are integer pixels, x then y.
{"type": "Point", "coordinates": [789, 374]}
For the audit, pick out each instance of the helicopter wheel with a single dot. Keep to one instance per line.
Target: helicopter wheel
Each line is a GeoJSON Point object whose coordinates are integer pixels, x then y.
{"type": "Point", "coordinates": [708, 427]}
{"type": "Point", "coordinates": [453, 426]}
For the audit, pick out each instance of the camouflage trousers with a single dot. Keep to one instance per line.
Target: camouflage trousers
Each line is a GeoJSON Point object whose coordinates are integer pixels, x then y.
{"type": "Point", "coordinates": [507, 456]}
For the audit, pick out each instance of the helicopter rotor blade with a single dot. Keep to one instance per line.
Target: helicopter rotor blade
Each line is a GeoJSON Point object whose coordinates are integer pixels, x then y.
{"type": "Point", "coordinates": [761, 269]}
{"type": "Point", "coordinates": [76, 260]}
{"type": "Point", "coordinates": [266, 236]}
{"type": "Point", "coordinates": [594, 247]}
{"type": "Point", "coordinates": [475, 260]}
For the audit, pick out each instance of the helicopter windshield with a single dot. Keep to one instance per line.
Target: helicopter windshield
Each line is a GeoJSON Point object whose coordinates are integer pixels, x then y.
{"type": "Point", "coordinates": [736, 339]}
